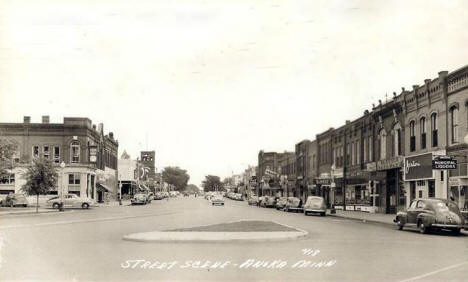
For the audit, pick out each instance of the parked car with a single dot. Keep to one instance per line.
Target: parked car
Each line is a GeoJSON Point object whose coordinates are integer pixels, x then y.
{"type": "Point", "coordinates": [140, 199]}
{"type": "Point", "coordinates": [430, 214]}
{"type": "Point", "coordinates": [293, 204]}
{"type": "Point", "coordinates": [280, 203]}
{"type": "Point", "coordinates": [217, 200]}
{"type": "Point", "coordinates": [186, 194]}
{"type": "Point", "coordinates": [269, 202]}
{"type": "Point", "coordinates": [253, 201]}
{"type": "Point", "coordinates": [15, 200]}
{"type": "Point", "coordinates": [260, 201]}
{"type": "Point", "coordinates": [150, 197]}
{"type": "Point", "coordinates": [159, 196]}
{"type": "Point", "coordinates": [315, 204]}
{"type": "Point", "coordinates": [70, 201]}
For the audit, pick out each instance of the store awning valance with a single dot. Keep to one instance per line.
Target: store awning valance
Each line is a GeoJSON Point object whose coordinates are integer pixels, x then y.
{"type": "Point", "coordinates": [102, 188]}
{"type": "Point", "coordinates": [143, 187]}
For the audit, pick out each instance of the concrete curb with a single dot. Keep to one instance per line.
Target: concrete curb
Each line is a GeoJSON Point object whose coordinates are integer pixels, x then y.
{"type": "Point", "coordinates": [213, 237]}
{"type": "Point", "coordinates": [361, 219]}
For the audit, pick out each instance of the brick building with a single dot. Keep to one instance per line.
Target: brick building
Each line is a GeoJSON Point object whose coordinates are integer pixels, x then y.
{"type": "Point", "coordinates": [425, 109]}
{"type": "Point", "coordinates": [306, 158]}
{"type": "Point", "coordinates": [457, 134]}
{"type": "Point", "coordinates": [90, 157]}
{"type": "Point", "coordinates": [287, 164]}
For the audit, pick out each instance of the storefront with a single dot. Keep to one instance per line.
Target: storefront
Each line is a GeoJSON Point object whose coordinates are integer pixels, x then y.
{"type": "Point", "coordinates": [421, 181]}
{"type": "Point", "coordinates": [322, 188]}
{"type": "Point", "coordinates": [391, 189]}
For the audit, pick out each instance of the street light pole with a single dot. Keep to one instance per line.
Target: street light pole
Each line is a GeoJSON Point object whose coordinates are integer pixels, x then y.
{"type": "Point", "coordinates": [62, 165]}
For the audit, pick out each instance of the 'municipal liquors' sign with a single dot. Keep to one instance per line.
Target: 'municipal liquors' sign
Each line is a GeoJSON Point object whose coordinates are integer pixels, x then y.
{"type": "Point", "coordinates": [418, 167]}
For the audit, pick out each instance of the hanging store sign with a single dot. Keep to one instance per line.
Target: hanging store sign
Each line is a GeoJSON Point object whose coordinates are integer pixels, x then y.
{"type": "Point", "coordinates": [444, 162]}
{"type": "Point", "coordinates": [418, 167]}
{"type": "Point", "coordinates": [92, 154]}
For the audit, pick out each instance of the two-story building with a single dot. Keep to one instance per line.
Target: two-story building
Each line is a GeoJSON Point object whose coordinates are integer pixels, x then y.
{"type": "Point", "coordinates": [86, 159]}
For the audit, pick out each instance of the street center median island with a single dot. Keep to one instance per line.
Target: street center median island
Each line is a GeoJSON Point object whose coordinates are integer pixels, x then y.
{"type": "Point", "coordinates": [244, 230]}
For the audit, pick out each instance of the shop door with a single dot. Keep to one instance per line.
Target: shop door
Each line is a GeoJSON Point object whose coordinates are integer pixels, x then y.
{"type": "Point", "coordinates": [391, 192]}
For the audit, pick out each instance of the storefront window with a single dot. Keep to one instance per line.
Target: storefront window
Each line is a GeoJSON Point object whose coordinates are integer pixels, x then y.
{"type": "Point", "coordinates": [7, 179]}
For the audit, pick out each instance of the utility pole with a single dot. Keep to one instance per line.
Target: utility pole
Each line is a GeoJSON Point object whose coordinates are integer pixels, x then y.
{"type": "Point", "coordinates": [345, 163]}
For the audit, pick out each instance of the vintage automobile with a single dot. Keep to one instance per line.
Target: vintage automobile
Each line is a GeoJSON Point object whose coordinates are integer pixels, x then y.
{"type": "Point", "coordinates": [159, 196]}
{"type": "Point", "coordinates": [431, 214]}
{"type": "Point", "coordinates": [253, 201]}
{"type": "Point", "coordinates": [70, 201]}
{"type": "Point", "coordinates": [15, 200]}
{"type": "Point", "coordinates": [280, 203]}
{"type": "Point", "coordinates": [140, 199]}
{"type": "Point", "coordinates": [293, 204]}
{"type": "Point", "coordinates": [315, 205]}
{"type": "Point", "coordinates": [217, 200]}
{"type": "Point", "coordinates": [269, 202]}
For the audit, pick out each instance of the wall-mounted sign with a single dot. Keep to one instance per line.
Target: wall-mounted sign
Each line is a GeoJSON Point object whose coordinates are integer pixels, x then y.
{"type": "Point", "coordinates": [92, 154]}
{"type": "Point", "coordinates": [270, 172]}
{"type": "Point", "coordinates": [444, 162]}
{"type": "Point", "coordinates": [390, 163]}
{"type": "Point", "coordinates": [320, 181]}
{"type": "Point", "coordinates": [418, 167]}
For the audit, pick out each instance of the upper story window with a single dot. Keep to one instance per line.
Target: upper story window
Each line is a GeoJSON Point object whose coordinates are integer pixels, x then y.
{"type": "Point", "coordinates": [35, 152]}
{"type": "Point", "coordinates": [453, 116]}
{"type": "Point", "coordinates": [56, 154]}
{"type": "Point", "coordinates": [75, 152]}
{"type": "Point", "coordinates": [422, 129]}
{"type": "Point", "coordinates": [365, 150]}
{"type": "Point", "coordinates": [397, 140]}
{"type": "Point", "coordinates": [46, 152]}
{"type": "Point", "coordinates": [383, 144]}
{"type": "Point", "coordinates": [371, 149]}
{"type": "Point", "coordinates": [434, 131]}
{"type": "Point", "coordinates": [412, 137]}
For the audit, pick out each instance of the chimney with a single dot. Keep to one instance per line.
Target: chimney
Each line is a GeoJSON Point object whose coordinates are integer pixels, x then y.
{"type": "Point", "coordinates": [100, 127]}
{"type": "Point", "coordinates": [45, 119]}
{"type": "Point", "coordinates": [427, 81]}
{"type": "Point", "coordinates": [380, 102]}
{"type": "Point", "coordinates": [94, 126]}
{"type": "Point", "coordinates": [111, 135]}
{"type": "Point", "coordinates": [415, 87]}
{"type": "Point", "coordinates": [402, 89]}
{"type": "Point", "coordinates": [27, 119]}
{"type": "Point", "coordinates": [348, 121]}
{"type": "Point", "coordinates": [443, 74]}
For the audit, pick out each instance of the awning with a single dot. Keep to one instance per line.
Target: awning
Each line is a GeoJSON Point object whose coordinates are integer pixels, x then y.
{"type": "Point", "coordinates": [102, 188]}
{"type": "Point", "coordinates": [143, 187]}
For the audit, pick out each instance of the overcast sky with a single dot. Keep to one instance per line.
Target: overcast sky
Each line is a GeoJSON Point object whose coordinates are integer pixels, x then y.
{"type": "Point", "coordinates": [207, 84]}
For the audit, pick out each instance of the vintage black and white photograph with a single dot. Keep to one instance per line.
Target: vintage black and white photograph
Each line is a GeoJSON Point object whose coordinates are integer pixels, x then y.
{"type": "Point", "coordinates": [233, 140]}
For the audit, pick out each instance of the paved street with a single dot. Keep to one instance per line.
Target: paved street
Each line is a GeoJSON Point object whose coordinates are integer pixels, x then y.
{"type": "Point", "coordinates": [87, 245]}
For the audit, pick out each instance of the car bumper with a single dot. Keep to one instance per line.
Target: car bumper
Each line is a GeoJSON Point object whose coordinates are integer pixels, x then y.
{"type": "Point", "coordinates": [449, 226]}
{"type": "Point", "coordinates": [314, 210]}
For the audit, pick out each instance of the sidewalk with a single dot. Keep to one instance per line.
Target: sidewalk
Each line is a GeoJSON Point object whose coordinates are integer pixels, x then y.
{"type": "Point", "coordinates": [365, 216]}
{"type": "Point", "coordinates": [114, 203]}
{"type": "Point", "coordinates": [28, 210]}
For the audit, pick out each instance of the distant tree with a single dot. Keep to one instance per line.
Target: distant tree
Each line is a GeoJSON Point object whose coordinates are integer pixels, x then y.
{"type": "Point", "coordinates": [7, 151]}
{"type": "Point", "coordinates": [40, 178]}
{"type": "Point", "coordinates": [191, 188]}
{"type": "Point", "coordinates": [176, 177]}
{"type": "Point", "coordinates": [212, 183]}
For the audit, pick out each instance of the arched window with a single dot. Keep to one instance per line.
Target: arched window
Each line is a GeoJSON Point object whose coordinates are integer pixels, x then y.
{"type": "Point", "coordinates": [383, 144]}
{"type": "Point", "coordinates": [454, 124]}
{"type": "Point", "coordinates": [397, 140]}
{"type": "Point", "coordinates": [75, 152]}
{"type": "Point", "coordinates": [422, 129]}
{"type": "Point", "coordinates": [412, 137]}
{"type": "Point", "coordinates": [434, 130]}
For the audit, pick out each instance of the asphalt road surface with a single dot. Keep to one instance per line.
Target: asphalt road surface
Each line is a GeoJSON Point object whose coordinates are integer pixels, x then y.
{"type": "Point", "coordinates": [87, 245]}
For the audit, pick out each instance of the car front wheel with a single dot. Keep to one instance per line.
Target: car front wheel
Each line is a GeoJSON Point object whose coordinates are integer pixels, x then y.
{"type": "Point", "coordinates": [399, 224]}
{"type": "Point", "coordinates": [55, 205]}
{"type": "Point", "coordinates": [423, 228]}
{"type": "Point", "coordinates": [85, 206]}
